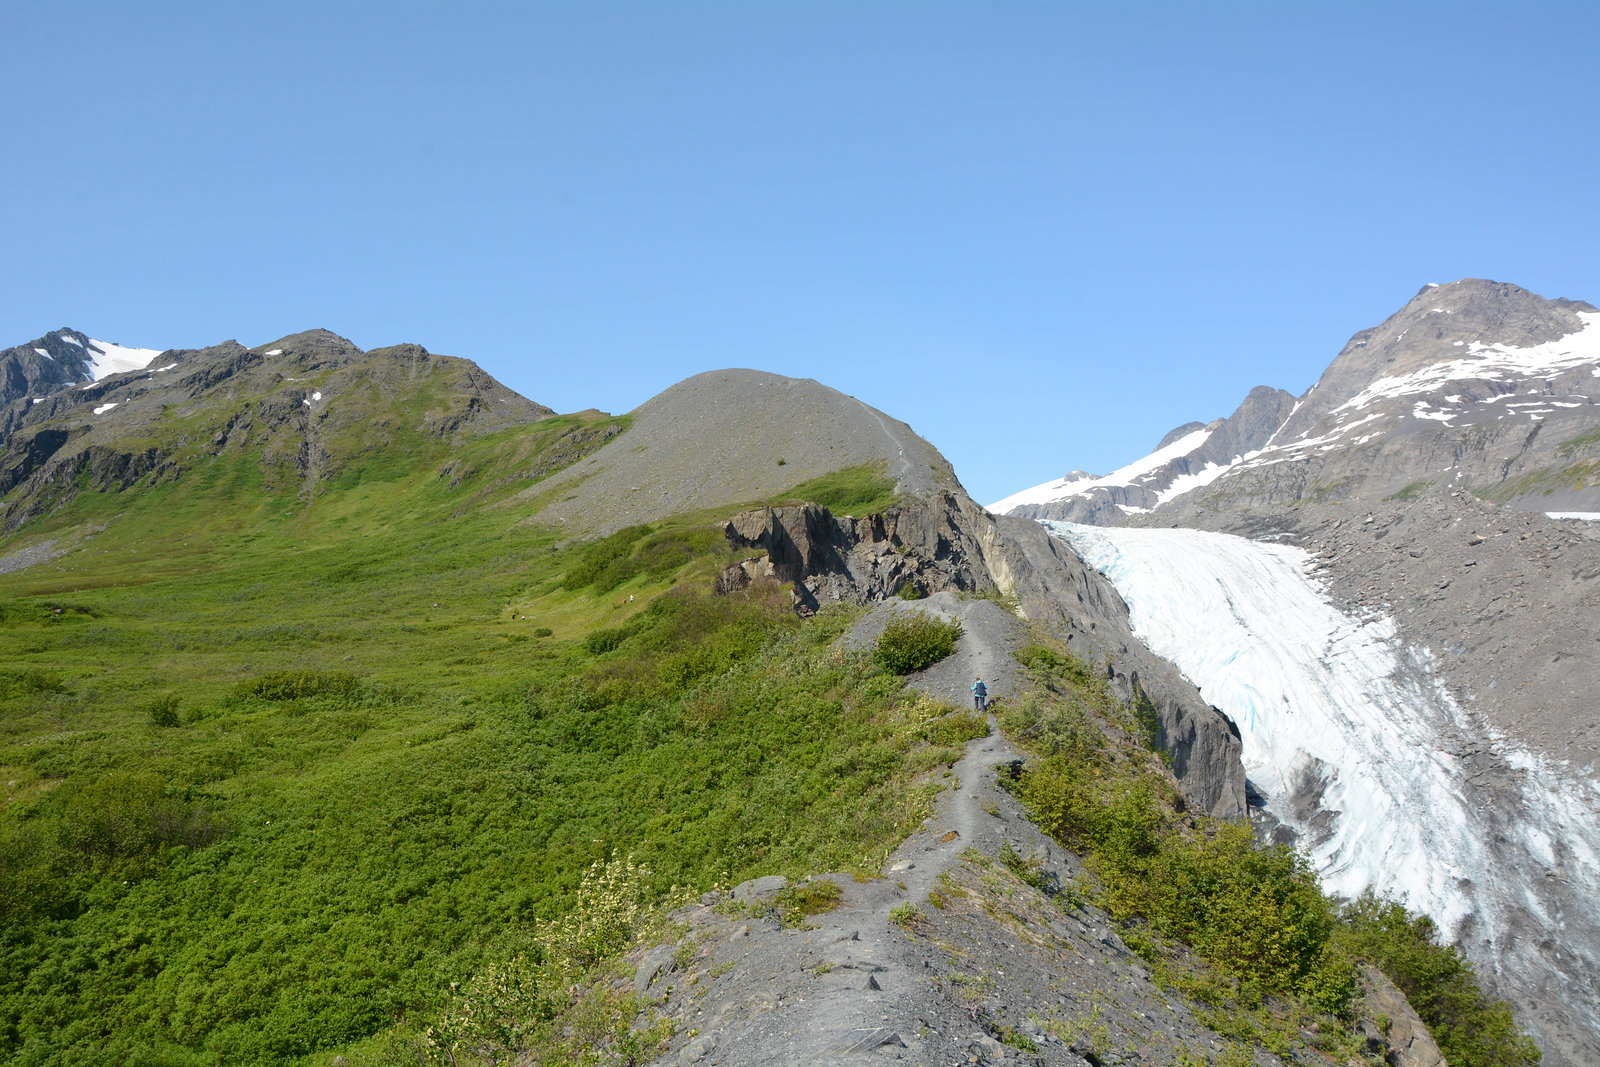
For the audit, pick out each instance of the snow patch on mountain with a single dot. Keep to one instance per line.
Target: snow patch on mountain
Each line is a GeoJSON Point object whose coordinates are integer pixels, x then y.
{"type": "Point", "coordinates": [1361, 751]}
{"type": "Point", "coordinates": [1491, 362]}
{"type": "Point", "coordinates": [1077, 485]}
{"type": "Point", "coordinates": [1183, 483]}
{"type": "Point", "coordinates": [1494, 372]}
{"type": "Point", "coordinates": [106, 359]}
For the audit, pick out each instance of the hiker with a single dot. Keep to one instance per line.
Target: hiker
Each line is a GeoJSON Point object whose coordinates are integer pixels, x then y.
{"type": "Point", "coordinates": [980, 695]}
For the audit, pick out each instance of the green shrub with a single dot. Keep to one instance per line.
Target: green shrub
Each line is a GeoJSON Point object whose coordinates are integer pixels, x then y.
{"type": "Point", "coordinates": [956, 727]}
{"type": "Point", "coordinates": [599, 642]}
{"type": "Point", "coordinates": [659, 555]}
{"type": "Point", "coordinates": [29, 682]}
{"type": "Point", "coordinates": [606, 563]}
{"type": "Point", "coordinates": [298, 685]}
{"type": "Point", "coordinates": [860, 490]}
{"type": "Point", "coordinates": [913, 640]}
{"type": "Point", "coordinates": [128, 814]}
{"type": "Point", "coordinates": [163, 711]}
{"type": "Point", "coordinates": [1257, 914]}
{"type": "Point", "coordinates": [906, 914]}
{"type": "Point", "coordinates": [1471, 1029]}
{"type": "Point", "coordinates": [808, 898]}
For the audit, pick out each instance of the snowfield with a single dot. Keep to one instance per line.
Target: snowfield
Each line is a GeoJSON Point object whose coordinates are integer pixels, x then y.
{"type": "Point", "coordinates": [1078, 485]}
{"type": "Point", "coordinates": [1360, 750]}
{"type": "Point", "coordinates": [106, 359]}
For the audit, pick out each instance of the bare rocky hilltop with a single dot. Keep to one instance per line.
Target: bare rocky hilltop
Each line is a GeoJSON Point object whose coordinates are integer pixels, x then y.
{"type": "Point", "coordinates": [733, 436]}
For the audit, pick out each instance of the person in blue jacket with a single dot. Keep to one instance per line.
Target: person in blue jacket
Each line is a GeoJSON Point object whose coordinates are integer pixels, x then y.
{"type": "Point", "coordinates": [980, 695]}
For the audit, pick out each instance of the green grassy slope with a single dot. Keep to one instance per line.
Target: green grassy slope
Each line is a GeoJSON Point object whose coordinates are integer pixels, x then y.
{"type": "Point", "coordinates": [279, 766]}
{"type": "Point", "coordinates": [275, 774]}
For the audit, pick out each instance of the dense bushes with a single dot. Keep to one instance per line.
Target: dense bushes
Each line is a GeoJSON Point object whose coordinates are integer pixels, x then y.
{"type": "Point", "coordinates": [298, 685]}
{"type": "Point", "coordinates": [1257, 914]}
{"type": "Point", "coordinates": [606, 563]}
{"type": "Point", "coordinates": [1472, 1030]}
{"type": "Point", "coordinates": [603, 565]}
{"type": "Point", "coordinates": [913, 640]}
{"type": "Point", "coordinates": [26, 682]}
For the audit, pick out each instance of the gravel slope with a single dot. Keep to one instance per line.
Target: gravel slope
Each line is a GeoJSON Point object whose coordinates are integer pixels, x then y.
{"type": "Point", "coordinates": [717, 440]}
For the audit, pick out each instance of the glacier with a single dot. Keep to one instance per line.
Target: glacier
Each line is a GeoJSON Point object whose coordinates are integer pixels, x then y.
{"type": "Point", "coordinates": [1387, 782]}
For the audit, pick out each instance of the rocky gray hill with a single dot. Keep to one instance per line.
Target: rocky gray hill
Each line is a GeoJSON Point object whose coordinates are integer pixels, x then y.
{"type": "Point", "coordinates": [735, 436]}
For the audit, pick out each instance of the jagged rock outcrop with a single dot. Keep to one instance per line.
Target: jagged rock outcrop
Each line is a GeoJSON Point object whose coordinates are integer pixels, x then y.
{"type": "Point", "coordinates": [947, 542]}
{"type": "Point", "coordinates": [1392, 1029]}
{"type": "Point", "coordinates": [922, 548]}
{"type": "Point", "coordinates": [32, 371]}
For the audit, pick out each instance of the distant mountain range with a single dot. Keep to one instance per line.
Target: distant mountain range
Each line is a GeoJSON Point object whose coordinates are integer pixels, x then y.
{"type": "Point", "coordinates": [1478, 385]}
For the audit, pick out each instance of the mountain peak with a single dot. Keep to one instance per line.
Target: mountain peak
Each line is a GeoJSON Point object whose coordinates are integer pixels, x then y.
{"type": "Point", "coordinates": [317, 344]}
{"type": "Point", "coordinates": [1478, 382]}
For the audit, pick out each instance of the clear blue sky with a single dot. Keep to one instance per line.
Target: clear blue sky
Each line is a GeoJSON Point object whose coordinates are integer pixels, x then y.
{"type": "Point", "coordinates": [1041, 233]}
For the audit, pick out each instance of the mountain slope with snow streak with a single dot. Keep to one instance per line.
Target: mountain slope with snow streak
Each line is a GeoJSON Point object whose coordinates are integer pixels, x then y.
{"type": "Point", "coordinates": [1373, 766]}
{"type": "Point", "coordinates": [1480, 384]}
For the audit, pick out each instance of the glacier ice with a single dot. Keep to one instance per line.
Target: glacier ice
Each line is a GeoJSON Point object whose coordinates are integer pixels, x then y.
{"type": "Point", "coordinates": [1358, 747]}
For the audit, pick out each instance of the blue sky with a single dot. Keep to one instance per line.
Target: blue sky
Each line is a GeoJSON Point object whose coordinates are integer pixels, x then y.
{"type": "Point", "coordinates": [1042, 234]}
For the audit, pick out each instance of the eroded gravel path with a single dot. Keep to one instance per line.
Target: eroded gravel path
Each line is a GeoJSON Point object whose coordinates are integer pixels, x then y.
{"type": "Point", "coordinates": [855, 983]}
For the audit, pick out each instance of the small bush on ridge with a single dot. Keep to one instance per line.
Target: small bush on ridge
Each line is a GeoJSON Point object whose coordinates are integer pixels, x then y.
{"type": "Point", "coordinates": [913, 641]}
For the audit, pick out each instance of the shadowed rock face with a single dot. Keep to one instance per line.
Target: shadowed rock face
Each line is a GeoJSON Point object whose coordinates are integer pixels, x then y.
{"type": "Point", "coordinates": [56, 361]}
{"type": "Point", "coordinates": [732, 437]}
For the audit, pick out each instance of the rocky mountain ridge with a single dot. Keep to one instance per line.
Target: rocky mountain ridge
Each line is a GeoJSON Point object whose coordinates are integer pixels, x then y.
{"type": "Point", "coordinates": [61, 359]}
{"type": "Point", "coordinates": [301, 409]}
{"type": "Point", "coordinates": [1478, 384]}
{"type": "Point", "coordinates": [1417, 472]}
